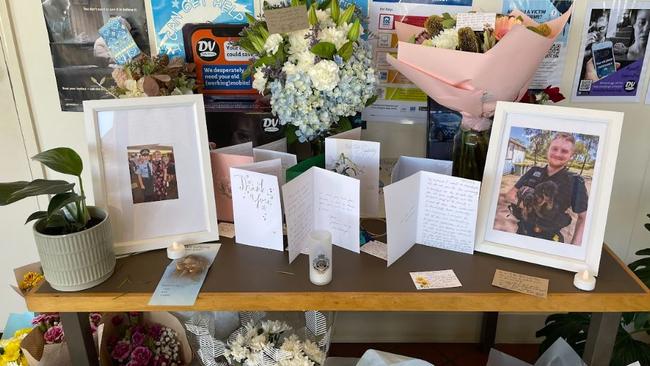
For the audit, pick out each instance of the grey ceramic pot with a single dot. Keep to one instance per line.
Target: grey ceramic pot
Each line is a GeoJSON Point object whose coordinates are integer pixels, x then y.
{"type": "Point", "coordinates": [77, 261]}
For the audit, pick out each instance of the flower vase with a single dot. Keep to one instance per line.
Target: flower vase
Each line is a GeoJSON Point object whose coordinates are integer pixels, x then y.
{"type": "Point", "coordinates": [470, 147]}
{"type": "Point", "coordinates": [308, 149]}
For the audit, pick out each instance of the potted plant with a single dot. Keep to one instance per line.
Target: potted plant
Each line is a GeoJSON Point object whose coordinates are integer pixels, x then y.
{"type": "Point", "coordinates": [74, 241]}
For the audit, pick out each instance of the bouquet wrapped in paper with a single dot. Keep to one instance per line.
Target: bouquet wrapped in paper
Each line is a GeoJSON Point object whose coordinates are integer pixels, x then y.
{"type": "Point", "coordinates": [471, 82]}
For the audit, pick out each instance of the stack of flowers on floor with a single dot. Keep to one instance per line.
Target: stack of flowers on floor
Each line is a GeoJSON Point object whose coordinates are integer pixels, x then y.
{"type": "Point", "coordinates": [469, 71]}
{"type": "Point", "coordinates": [316, 77]}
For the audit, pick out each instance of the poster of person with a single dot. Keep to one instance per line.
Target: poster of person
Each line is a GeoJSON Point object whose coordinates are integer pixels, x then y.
{"type": "Point", "coordinates": [551, 68]}
{"type": "Point", "coordinates": [153, 173]}
{"type": "Point", "coordinates": [612, 52]}
{"type": "Point", "coordinates": [169, 16]}
{"type": "Point", "coordinates": [79, 53]}
{"type": "Point", "coordinates": [545, 186]}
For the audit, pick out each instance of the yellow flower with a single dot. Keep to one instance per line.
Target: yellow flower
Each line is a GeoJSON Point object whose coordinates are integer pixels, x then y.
{"type": "Point", "coordinates": [30, 279]}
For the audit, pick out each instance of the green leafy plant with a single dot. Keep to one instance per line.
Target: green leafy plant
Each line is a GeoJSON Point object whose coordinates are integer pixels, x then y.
{"type": "Point", "coordinates": [573, 327]}
{"type": "Point", "coordinates": [67, 211]}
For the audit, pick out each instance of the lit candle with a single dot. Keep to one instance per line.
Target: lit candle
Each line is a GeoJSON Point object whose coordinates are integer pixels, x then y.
{"type": "Point", "coordinates": [584, 280]}
{"type": "Point", "coordinates": [320, 257]}
{"type": "Point", "coordinates": [176, 251]}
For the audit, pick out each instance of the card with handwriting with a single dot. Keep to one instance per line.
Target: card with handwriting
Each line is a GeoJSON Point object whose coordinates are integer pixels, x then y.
{"type": "Point", "coordinates": [347, 155]}
{"type": "Point", "coordinates": [285, 20]}
{"type": "Point", "coordinates": [476, 21]}
{"type": "Point", "coordinates": [375, 248]}
{"type": "Point", "coordinates": [182, 280]}
{"type": "Point", "coordinates": [321, 200]}
{"type": "Point", "coordinates": [518, 282]}
{"type": "Point", "coordinates": [222, 160]}
{"type": "Point", "coordinates": [435, 279]}
{"type": "Point", "coordinates": [256, 204]}
{"type": "Point", "coordinates": [407, 166]}
{"type": "Point", "coordinates": [431, 209]}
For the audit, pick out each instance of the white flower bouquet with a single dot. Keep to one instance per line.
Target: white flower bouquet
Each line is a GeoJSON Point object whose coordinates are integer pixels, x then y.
{"type": "Point", "coordinates": [317, 76]}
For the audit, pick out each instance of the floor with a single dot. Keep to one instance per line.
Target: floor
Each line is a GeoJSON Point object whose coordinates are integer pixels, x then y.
{"type": "Point", "coordinates": [439, 354]}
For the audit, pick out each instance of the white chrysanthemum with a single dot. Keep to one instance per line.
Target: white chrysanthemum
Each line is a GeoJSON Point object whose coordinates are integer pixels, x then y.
{"type": "Point", "coordinates": [259, 80]}
{"type": "Point", "coordinates": [274, 326]}
{"type": "Point", "coordinates": [312, 351]}
{"type": "Point", "coordinates": [446, 39]}
{"type": "Point", "coordinates": [297, 41]}
{"type": "Point", "coordinates": [292, 344]}
{"type": "Point", "coordinates": [289, 68]}
{"type": "Point", "coordinates": [324, 75]}
{"type": "Point", "coordinates": [325, 18]}
{"type": "Point", "coordinates": [337, 36]}
{"type": "Point", "coordinates": [258, 342]}
{"type": "Point", "coordinates": [304, 60]}
{"type": "Point", "coordinates": [272, 43]}
{"type": "Point", "coordinates": [254, 359]}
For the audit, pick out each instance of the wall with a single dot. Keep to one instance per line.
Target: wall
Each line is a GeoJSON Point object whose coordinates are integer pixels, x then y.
{"type": "Point", "coordinates": [630, 196]}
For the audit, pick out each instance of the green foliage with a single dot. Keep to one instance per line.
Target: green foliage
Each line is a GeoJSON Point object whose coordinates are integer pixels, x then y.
{"type": "Point", "coordinates": [346, 50]}
{"type": "Point", "coordinates": [67, 210]}
{"type": "Point", "coordinates": [355, 31]}
{"type": "Point", "coordinates": [371, 100]}
{"type": "Point", "coordinates": [313, 19]}
{"type": "Point", "coordinates": [346, 17]}
{"type": "Point", "coordinates": [324, 50]}
{"type": "Point", "coordinates": [572, 327]}
{"type": "Point", "coordinates": [335, 10]}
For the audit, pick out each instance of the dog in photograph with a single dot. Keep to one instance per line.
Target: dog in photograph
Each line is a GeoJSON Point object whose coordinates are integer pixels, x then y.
{"type": "Point", "coordinates": [538, 205]}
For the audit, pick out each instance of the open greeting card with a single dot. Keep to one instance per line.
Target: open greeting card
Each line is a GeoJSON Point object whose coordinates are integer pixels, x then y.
{"type": "Point", "coordinates": [346, 154]}
{"type": "Point", "coordinates": [431, 209]}
{"type": "Point", "coordinates": [256, 204]}
{"type": "Point", "coordinates": [322, 200]}
{"type": "Point", "coordinates": [407, 166]}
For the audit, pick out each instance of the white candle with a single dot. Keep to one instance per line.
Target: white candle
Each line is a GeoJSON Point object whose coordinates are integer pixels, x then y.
{"type": "Point", "coordinates": [584, 280]}
{"type": "Point", "coordinates": [320, 257]}
{"type": "Point", "coordinates": [176, 251]}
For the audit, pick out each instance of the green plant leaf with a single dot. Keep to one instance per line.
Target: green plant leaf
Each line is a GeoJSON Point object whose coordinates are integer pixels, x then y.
{"type": "Point", "coordinates": [39, 187]}
{"type": "Point", "coordinates": [61, 159]}
{"type": "Point", "coordinates": [640, 320]}
{"type": "Point", "coordinates": [266, 60]}
{"type": "Point", "coordinates": [335, 10]}
{"type": "Point", "coordinates": [355, 31]}
{"type": "Point", "coordinates": [628, 350]}
{"type": "Point", "coordinates": [251, 19]}
{"type": "Point", "coordinates": [313, 19]}
{"type": "Point", "coordinates": [60, 200]}
{"type": "Point", "coordinates": [36, 216]}
{"type": "Point", "coordinates": [57, 221]}
{"type": "Point", "coordinates": [572, 327]}
{"type": "Point", "coordinates": [8, 189]}
{"type": "Point", "coordinates": [371, 100]}
{"type": "Point", "coordinates": [324, 50]}
{"type": "Point", "coordinates": [346, 50]}
{"type": "Point", "coordinates": [645, 251]}
{"type": "Point", "coordinates": [347, 15]}
{"type": "Point", "coordinates": [247, 73]}
{"type": "Point", "coordinates": [290, 133]}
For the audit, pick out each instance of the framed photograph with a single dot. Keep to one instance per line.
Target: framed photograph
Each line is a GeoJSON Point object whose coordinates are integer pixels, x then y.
{"type": "Point", "coordinates": [547, 183]}
{"type": "Point", "coordinates": [150, 164]}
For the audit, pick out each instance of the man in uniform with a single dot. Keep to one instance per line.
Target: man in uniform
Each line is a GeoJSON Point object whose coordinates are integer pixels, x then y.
{"type": "Point", "coordinates": [567, 190]}
{"type": "Point", "coordinates": [144, 171]}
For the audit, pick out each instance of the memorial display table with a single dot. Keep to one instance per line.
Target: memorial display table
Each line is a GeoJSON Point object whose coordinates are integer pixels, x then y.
{"type": "Point", "coordinates": [249, 278]}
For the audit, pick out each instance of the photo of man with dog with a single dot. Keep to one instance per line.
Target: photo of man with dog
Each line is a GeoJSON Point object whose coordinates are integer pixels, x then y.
{"type": "Point", "coordinates": [545, 187]}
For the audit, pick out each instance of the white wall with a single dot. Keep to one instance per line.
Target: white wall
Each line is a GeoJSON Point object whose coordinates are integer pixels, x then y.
{"type": "Point", "coordinates": [630, 196]}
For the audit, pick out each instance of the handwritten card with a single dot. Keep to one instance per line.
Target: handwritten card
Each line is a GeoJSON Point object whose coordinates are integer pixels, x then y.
{"type": "Point", "coordinates": [222, 160]}
{"type": "Point", "coordinates": [256, 206]}
{"type": "Point", "coordinates": [435, 279]}
{"type": "Point", "coordinates": [407, 166]}
{"type": "Point", "coordinates": [431, 209]}
{"type": "Point", "coordinates": [286, 20]}
{"type": "Point", "coordinates": [321, 200]}
{"type": "Point", "coordinates": [529, 285]}
{"type": "Point", "coordinates": [182, 280]}
{"type": "Point", "coordinates": [375, 248]}
{"type": "Point", "coordinates": [476, 21]}
{"type": "Point", "coordinates": [227, 229]}
{"type": "Point", "coordinates": [357, 159]}
{"type": "Point", "coordinates": [276, 150]}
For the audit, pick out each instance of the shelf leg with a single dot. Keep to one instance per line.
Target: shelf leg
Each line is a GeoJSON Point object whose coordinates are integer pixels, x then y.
{"type": "Point", "coordinates": [600, 338]}
{"type": "Point", "coordinates": [79, 339]}
{"type": "Point", "coordinates": [488, 331]}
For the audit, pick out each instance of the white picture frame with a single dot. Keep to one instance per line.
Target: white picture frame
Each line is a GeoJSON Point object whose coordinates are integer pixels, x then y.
{"type": "Point", "coordinates": [120, 133]}
{"type": "Point", "coordinates": [494, 228]}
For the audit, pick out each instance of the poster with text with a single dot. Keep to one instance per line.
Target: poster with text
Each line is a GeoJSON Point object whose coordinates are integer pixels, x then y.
{"type": "Point", "coordinates": [550, 69]}
{"type": "Point", "coordinates": [613, 52]}
{"type": "Point", "coordinates": [80, 56]}
{"type": "Point", "coordinates": [169, 17]}
{"type": "Point", "coordinates": [399, 100]}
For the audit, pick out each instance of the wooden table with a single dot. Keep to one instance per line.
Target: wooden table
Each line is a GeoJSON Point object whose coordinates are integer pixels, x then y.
{"type": "Point", "coordinates": [248, 278]}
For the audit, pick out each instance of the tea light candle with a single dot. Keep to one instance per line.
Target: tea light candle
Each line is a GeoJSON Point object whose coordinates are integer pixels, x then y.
{"type": "Point", "coordinates": [584, 280]}
{"type": "Point", "coordinates": [176, 251]}
{"type": "Point", "coordinates": [320, 257]}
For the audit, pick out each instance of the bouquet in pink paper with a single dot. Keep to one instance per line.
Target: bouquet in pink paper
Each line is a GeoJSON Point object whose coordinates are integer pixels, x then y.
{"type": "Point", "coordinates": [469, 70]}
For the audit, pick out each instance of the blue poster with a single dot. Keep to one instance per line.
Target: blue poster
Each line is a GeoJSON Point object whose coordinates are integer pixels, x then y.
{"type": "Point", "coordinates": [169, 16]}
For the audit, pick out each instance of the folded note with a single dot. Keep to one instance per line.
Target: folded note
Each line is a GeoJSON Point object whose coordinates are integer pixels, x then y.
{"type": "Point", "coordinates": [431, 209]}
{"type": "Point", "coordinates": [407, 166]}
{"type": "Point", "coordinates": [256, 204]}
{"type": "Point", "coordinates": [321, 200]}
{"type": "Point", "coordinates": [346, 155]}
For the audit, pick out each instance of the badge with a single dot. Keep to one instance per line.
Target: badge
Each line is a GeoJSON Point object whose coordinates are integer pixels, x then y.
{"type": "Point", "coordinates": [537, 174]}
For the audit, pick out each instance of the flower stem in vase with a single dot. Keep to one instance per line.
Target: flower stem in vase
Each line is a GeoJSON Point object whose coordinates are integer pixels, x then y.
{"type": "Point", "coordinates": [470, 147]}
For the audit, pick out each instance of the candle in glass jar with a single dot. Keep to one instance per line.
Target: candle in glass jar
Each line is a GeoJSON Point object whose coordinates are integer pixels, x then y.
{"type": "Point", "coordinates": [176, 251]}
{"type": "Point", "coordinates": [319, 243]}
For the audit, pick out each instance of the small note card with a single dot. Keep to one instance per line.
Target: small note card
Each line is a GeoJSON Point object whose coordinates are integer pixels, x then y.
{"type": "Point", "coordinates": [521, 283]}
{"type": "Point", "coordinates": [375, 248]}
{"type": "Point", "coordinates": [435, 279]}
{"type": "Point", "coordinates": [286, 20]}
{"type": "Point", "coordinates": [227, 229]}
{"type": "Point", "coordinates": [476, 21]}
{"type": "Point", "coordinates": [183, 278]}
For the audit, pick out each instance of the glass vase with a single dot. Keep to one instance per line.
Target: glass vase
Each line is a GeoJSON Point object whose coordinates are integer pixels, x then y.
{"type": "Point", "coordinates": [470, 148]}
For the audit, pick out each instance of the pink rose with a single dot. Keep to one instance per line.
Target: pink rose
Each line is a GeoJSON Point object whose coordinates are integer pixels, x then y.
{"type": "Point", "coordinates": [137, 339]}
{"type": "Point", "coordinates": [155, 330]}
{"type": "Point", "coordinates": [53, 335]}
{"type": "Point", "coordinates": [38, 319]}
{"type": "Point", "coordinates": [141, 355]}
{"type": "Point", "coordinates": [121, 351]}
